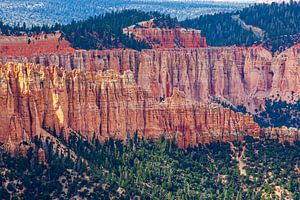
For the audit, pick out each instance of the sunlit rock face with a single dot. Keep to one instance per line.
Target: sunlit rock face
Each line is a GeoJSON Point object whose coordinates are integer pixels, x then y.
{"type": "Point", "coordinates": [33, 98]}
{"type": "Point", "coordinates": [286, 71]}
{"type": "Point", "coordinates": [167, 90]}
{"type": "Point", "coordinates": [237, 75]}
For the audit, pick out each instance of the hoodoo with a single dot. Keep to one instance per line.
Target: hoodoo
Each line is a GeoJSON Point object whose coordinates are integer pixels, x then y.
{"type": "Point", "coordinates": [108, 105]}
{"type": "Point", "coordinates": [237, 75]}
{"type": "Point", "coordinates": [138, 105]}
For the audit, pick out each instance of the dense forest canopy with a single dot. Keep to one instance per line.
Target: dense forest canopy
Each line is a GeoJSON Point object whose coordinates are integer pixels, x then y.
{"type": "Point", "coordinates": [105, 31]}
{"type": "Point", "coordinates": [280, 22]}
{"type": "Point", "coordinates": [98, 32]}
{"type": "Point", "coordinates": [154, 170]}
{"type": "Point", "coordinates": [221, 30]}
{"type": "Point", "coordinates": [275, 19]}
{"type": "Point", "coordinates": [278, 113]}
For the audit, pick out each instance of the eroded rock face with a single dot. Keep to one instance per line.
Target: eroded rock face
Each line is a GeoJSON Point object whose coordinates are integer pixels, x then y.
{"type": "Point", "coordinates": [235, 74]}
{"type": "Point", "coordinates": [157, 37]}
{"type": "Point", "coordinates": [34, 45]}
{"type": "Point", "coordinates": [114, 103]}
{"type": "Point", "coordinates": [169, 38]}
{"type": "Point", "coordinates": [33, 98]}
{"type": "Point", "coordinates": [286, 70]}
{"type": "Point", "coordinates": [282, 134]}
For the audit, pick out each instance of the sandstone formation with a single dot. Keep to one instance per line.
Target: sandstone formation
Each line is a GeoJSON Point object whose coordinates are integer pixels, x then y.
{"type": "Point", "coordinates": [282, 134]}
{"type": "Point", "coordinates": [286, 70]}
{"type": "Point", "coordinates": [157, 37]}
{"type": "Point", "coordinates": [34, 98]}
{"type": "Point", "coordinates": [235, 74]}
{"type": "Point", "coordinates": [34, 45]}
{"type": "Point", "coordinates": [159, 91]}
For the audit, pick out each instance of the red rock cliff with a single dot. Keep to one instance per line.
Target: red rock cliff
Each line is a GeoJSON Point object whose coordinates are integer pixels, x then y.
{"type": "Point", "coordinates": [34, 45]}
{"type": "Point", "coordinates": [33, 98]}
{"type": "Point", "coordinates": [235, 74]}
{"type": "Point", "coordinates": [165, 37]}
{"type": "Point", "coordinates": [286, 70]}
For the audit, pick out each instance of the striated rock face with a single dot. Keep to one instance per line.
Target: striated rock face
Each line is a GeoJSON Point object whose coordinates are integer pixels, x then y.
{"type": "Point", "coordinates": [34, 45]}
{"type": "Point", "coordinates": [234, 74]}
{"type": "Point", "coordinates": [164, 37]}
{"type": "Point", "coordinates": [33, 98]}
{"type": "Point", "coordinates": [282, 134]}
{"type": "Point", "coordinates": [286, 70]}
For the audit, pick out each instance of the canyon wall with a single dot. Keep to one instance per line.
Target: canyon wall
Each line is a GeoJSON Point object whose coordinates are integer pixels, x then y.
{"type": "Point", "coordinates": [286, 71]}
{"type": "Point", "coordinates": [237, 75]}
{"type": "Point", "coordinates": [34, 98]}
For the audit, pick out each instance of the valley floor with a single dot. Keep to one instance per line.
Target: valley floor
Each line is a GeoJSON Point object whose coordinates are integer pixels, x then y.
{"type": "Point", "coordinates": [253, 169]}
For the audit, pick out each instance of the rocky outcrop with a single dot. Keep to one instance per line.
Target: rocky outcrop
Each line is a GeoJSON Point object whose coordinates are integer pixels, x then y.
{"type": "Point", "coordinates": [33, 45]}
{"type": "Point", "coordinates": [34, 98]}
{"type": "Point", "coordinates": [158, 37]}
{"type": "Point", "coordinates": [282, 134]}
